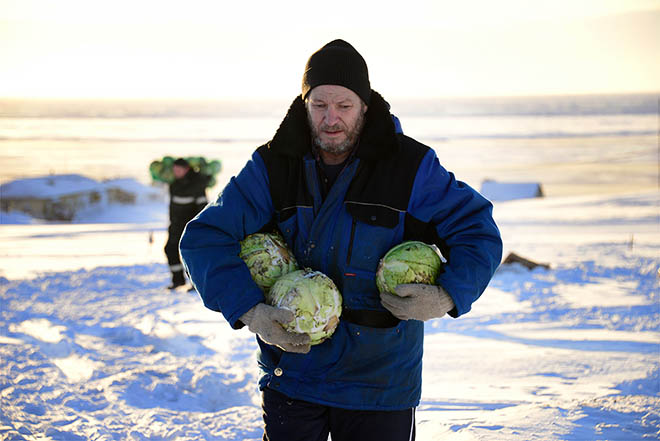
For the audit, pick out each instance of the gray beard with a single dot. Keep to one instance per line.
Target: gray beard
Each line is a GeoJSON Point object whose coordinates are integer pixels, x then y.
{"type": "Point", "coordinates": [347, 145]}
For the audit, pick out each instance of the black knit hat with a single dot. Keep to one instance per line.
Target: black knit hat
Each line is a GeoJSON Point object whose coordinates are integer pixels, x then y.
{"type": "Point", "coordinates": [340, 64]}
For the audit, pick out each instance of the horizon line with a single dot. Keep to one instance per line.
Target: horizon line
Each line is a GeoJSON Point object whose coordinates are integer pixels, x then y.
{"type": "Point", "coordinates": [274, 98]}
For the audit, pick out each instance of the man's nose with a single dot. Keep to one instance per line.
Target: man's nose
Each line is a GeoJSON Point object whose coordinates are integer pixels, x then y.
{"type": "Point", "coordinates": [331, 116]}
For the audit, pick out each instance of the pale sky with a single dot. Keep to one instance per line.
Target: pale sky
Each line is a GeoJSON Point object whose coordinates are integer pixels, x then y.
{"type": "Point", "coordinates": [257, 49]}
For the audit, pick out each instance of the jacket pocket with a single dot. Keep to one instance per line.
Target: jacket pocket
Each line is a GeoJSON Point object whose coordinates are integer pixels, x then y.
{"type": "Point", "coordinates": [374, 214]}
{"type": "Point", "coordinates": [294, 224]}
{"type": "Point", "coordinates": [370, 236]}
{"type": "Point", "coordinates": [370, 356]}
{"type": "Point", "coordinates": [374, 230]}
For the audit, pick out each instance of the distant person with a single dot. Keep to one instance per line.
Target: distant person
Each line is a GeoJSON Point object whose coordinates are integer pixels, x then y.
{"type": "Point", "coordinates": [343, 185]}
{"type": "Point", "coordinates": [187, 198]}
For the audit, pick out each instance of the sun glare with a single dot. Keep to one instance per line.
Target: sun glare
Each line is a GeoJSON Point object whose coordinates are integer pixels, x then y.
{"type": "Point", "coordinates": [77, 48]}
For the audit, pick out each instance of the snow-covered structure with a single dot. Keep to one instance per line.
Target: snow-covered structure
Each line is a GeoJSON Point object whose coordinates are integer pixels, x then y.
{"type": "Point", "coordinates": [130, 191]}
{"type": "Point", "coordinates": [507, 191]}
{"type": "Point", "coordinates": [56, 197]}
{"type": "Point", "coordinates": [60, 197]}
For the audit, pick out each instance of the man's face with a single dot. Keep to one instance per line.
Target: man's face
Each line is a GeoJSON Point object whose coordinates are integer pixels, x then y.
{"type": "Point", "coordinates": [336, 117]}
{"type": "Point", "coordinates": [179, 171]}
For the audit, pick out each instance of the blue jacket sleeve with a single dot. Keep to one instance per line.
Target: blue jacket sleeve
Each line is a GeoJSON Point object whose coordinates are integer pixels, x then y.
{"type": "Point", "coordinates": [210, 243]}
{"type": "Point", "coordinates": [463, 219]}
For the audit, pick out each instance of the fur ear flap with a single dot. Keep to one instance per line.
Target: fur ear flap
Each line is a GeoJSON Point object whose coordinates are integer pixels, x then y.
{"type": "Point", "coordinates": [293, 137]}
{"type": "Point", "coordinates": [378, 138]}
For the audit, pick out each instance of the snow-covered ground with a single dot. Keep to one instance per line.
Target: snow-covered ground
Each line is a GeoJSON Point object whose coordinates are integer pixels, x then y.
{"type": "Point", "coordinates": [92, 346]}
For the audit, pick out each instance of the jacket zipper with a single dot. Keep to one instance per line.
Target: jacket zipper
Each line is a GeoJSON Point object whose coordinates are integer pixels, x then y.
{"type": "Point", "coordinates": [350, 242]}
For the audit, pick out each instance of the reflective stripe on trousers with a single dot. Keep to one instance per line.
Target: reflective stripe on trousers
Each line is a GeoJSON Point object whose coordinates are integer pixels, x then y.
{"type": "Point", "coordinates": [185, 200]}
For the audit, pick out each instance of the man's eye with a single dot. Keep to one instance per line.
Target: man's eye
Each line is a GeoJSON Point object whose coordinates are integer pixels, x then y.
{"type": "Point", "coordinates": [319, 106]}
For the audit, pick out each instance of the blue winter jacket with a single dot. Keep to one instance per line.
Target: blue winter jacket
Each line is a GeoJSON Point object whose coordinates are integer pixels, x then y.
{"type": "Point", "coordinates": [393, 189]}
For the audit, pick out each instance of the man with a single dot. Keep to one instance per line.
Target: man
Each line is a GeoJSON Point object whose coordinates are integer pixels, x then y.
{"type": "Point", "coordinates": [343, 187]}
{"type": "Point", "coordinates": [187, 198]}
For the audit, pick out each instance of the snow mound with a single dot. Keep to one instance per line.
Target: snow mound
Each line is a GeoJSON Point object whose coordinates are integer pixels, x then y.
{"type": "Point", "coordinates": [65, 197]}
{"type": "Point", "coordinates": [17, 218]}
{"type": "Point", "coordinates": [506, 191]}
{"type": "Point", "coordinates": [49, 187]}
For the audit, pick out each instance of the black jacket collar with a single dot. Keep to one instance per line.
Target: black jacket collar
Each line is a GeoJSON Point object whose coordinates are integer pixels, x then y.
{"type": "Point", "coordinates": [378, 139]}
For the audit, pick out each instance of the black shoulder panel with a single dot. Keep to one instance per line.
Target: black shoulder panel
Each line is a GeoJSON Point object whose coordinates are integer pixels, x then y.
{"type": "Point", "coordinates": [415, 229]}
{"type": "Point", "coordinates": [381, 189]}
{"type": "Point", "coordinates": [286, 175]}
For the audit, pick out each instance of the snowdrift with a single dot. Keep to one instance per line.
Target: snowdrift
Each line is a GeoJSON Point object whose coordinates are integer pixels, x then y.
{"type": "Point", "coordinates": [507, 191]}
{"type": "Point", "coordinates": [63, 197]}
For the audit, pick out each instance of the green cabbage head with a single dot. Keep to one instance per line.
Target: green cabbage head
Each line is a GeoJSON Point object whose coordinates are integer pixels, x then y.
{"type": "Point", "coordinates": [314, 300]}
{"type": "Point", "coordinates": [267, 257]}
{"type": "Point", "coordinates": [408, 262]}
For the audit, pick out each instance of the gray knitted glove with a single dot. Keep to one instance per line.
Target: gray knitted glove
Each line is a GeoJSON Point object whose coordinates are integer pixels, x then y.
{"type": "Point", "coordinates": [417, 302]}
{"type": "Point", "coordinates": [266, 321]}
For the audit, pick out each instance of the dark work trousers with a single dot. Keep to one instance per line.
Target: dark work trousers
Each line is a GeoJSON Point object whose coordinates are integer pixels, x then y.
{"type": "Point", "coordinates": [172, 252]}
{"type": "Point", "coordinates": [287, 419]}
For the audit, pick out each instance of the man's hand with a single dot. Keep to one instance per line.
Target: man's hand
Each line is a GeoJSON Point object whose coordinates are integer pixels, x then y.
{"type": "Point", "coordinates": [266, 321]}
{"type": "Point", "coordinates": [417, 302]}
